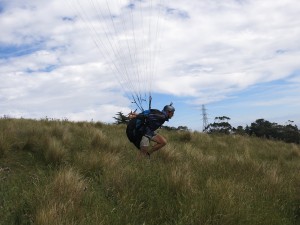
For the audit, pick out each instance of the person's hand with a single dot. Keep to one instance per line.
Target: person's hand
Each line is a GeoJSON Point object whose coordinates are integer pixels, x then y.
{"type": "Point", "coordinates": [132, 115]}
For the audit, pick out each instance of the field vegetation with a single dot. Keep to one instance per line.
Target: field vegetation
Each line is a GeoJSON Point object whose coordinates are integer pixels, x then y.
{"type": "Point", "coordinates": [55, 172]}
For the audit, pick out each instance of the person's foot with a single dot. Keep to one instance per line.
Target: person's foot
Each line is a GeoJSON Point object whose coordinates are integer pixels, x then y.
{"type": "Point", "coordinates": [144, 154]}
{"type": "Point", "coordinates": [148, 155]}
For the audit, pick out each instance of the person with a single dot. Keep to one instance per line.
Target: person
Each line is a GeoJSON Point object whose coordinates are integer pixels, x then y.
{"type": "Point", "coordinates": [142, 127]}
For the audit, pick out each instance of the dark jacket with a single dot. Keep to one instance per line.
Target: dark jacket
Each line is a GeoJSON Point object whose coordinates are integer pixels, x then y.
{"type": "Point", "coordinates": [154, 119]}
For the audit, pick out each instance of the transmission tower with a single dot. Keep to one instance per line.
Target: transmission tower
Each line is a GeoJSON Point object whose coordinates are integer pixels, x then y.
{"type": "Point", "coordinates": [204, 118]}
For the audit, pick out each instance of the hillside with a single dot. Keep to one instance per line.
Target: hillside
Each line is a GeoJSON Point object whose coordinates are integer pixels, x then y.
{"type": "Point", "coordinates": [60, 172]}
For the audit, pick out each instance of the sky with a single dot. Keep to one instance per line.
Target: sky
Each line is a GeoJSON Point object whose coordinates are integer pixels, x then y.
{"type": "Point", "coordinates": [83, 60]}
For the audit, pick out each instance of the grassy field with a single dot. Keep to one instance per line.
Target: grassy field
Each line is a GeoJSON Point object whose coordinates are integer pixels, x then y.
{"type": "Point", "coordinates": [64, 173]}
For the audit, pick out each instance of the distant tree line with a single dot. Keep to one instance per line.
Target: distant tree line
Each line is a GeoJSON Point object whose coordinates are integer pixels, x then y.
{"type": "Point", "coordinates": [260, 128]}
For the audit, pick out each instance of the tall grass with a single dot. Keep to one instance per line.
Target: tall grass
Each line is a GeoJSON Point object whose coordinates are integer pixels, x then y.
{"type": "Point", "coordinates": [61, 199]}
{"type": "Point", "coordinates": [59, 172]}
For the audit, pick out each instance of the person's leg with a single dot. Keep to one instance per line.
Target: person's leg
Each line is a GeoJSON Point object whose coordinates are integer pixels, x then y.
{"type": "Point", "coordinates": [160, 142]}
{"type": "Point", "coordinates": [144, 145]}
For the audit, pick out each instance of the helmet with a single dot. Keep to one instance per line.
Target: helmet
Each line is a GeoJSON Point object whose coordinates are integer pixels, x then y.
{"type": "Point", "coordinates": [169, 108]}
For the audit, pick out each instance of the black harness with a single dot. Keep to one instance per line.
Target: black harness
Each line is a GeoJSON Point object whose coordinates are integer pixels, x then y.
{"type": "Point", "coordinates": [137, 127]}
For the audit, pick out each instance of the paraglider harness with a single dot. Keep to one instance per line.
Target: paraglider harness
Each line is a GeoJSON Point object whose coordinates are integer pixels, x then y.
{"type": "Point", "coordinates": [137, 127]}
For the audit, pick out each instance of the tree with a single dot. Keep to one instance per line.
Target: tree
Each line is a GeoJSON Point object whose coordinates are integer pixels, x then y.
{"type": "Point", "coordinates": [291, 134]}
{"type": "Point", "coordinates": [239, 130]}
{"type": "Point", "coordinates": [221, 125]}
{"type": "Point", "coordinates": [185, 128]}
{"type": "Point", "coordinates": [263, 128]}
{"type": "Point", "coordinates": [121, 118]}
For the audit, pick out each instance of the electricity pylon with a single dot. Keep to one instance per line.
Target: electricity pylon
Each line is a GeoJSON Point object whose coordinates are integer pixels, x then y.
{"type": "Point", "coordinates": [204, 118]}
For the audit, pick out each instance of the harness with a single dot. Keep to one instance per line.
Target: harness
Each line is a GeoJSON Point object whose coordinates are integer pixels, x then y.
{"type": "Point", "coordinates": [137, 127]}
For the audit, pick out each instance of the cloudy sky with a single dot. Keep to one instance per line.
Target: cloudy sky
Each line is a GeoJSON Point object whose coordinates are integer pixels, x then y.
{"type": "Point", "coordinates": [85, 59]}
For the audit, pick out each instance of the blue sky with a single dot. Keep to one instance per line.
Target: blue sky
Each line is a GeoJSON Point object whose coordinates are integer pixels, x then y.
{"type": "Point", "coordinates": [82, 60]}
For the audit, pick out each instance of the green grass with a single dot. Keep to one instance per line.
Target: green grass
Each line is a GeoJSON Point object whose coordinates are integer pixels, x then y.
{"type": "Point", "coordinates": [59, 172]}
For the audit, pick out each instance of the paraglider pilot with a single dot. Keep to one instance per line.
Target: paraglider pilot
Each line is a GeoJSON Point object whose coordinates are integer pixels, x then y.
{"type": "Point", "coordinates": [142, 127]}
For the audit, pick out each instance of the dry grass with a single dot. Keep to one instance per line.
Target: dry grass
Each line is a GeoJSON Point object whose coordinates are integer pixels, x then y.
{"type": "Point", "coordinates": [61, 199]}
{"type": "Point", "coordinates": [86, 173]}
{"type": "Point", "coordinates": [182, 178]}
{"type": "Point", "coordinates": [55, 152]}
